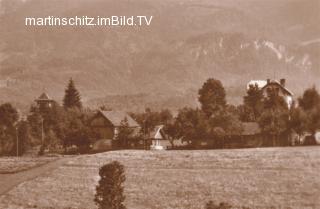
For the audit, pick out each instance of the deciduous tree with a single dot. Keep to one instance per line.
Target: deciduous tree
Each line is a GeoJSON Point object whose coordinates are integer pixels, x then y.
{"type": "Point", "coordinates": [212, 96]}
{"type": "Point", "coordinates": [8, 119]}
{"type": "Point", "coordinates": [253, 101]}
{"type": "Point", "coordinates": [274, 121]}
{"type": "Point", "coordinates": [192, 125]}
{"type": "Point", "coordinates": [310, 99]}
{"type": "Point", "coordinates": [125, 134]}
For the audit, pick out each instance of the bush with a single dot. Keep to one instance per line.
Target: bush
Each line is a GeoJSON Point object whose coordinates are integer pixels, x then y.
{"type": "Point", "coordinates": [109, 192]}
{"type": "Point", "coordinates": [222, 205]}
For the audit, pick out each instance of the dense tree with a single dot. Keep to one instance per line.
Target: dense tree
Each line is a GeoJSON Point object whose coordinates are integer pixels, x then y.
{"type": "Point", "coordinates": [149, 119]}
{"type": "Point", "coordinates": [298, 120]}
{"type": "Point", "coordinates": [46, 124]}
{"type": "Point", "coordinates": [212, 96]}
{"type": "Point", "coordinates": [172, 131]}
{"type": "Point", "coordinates": [226, 120]}
{"type": "Point", "coordinates": [274, 123]}
{"type": "Point", "coordinates": [310, 104]}
{"type": "Point", "coordinates": [76, 130]}
{"type": "Point", "coordinates": [125, 134]}
{"type": "Point", "coordinates": [310, 99]}
{"type": "Point", "coordinates": [223, 123]}
{"type": "Point", "coordinates": [109, 192]}
{"type": "Point", "coordinates": [253, 102]}
{"type": "Point", "coordinates": [192, 126]}
{"type": "Point", "coordinates": [313, 119]}
{"type": "Point", "coordinates": [246, 113]}
{"type": "Point", "coordinates": [8, 115]}
{"type": "Point", "coordinates": [8, 133]}
{"type": "Point", "coordinates": [35, 122]}
{"type": "Point", "coordinates": [61, 127]}
{"type": "Point", "coordinates": [23, 139]}
{"type": "Point", "coordinates": [274, 120]}
{"type": "Point", "coordinates": [274, 101]}
{"type": "Point", "coordinates": [72, 97]}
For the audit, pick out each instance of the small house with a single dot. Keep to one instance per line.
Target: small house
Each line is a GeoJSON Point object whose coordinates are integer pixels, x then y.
{"type": "Point", "coordinates": [159, 141]}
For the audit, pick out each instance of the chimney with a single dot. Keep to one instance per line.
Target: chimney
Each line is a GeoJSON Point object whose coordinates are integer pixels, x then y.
{"type": "Point", "coordinates": [283, 82]}
{"type": "Point", "coordinates": [268, 80]}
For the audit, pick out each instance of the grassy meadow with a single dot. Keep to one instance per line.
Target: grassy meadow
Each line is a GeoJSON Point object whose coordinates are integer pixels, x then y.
{"type": "Point", "coordinates": [10, 165]}
{"type": "Point", "coordinates": [257, 178]}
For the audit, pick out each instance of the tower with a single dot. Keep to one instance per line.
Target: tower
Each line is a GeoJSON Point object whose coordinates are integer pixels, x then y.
{"type": "Point", "coordinates": [44, 101]}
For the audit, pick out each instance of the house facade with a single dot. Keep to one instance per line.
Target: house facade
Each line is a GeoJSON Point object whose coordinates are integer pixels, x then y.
{"type": "Point", "coordinates": [158, 139]}
{"type": "Point", "coordinates": [107, 123]}
{"type": "Point", "coordinates": [276, 86]}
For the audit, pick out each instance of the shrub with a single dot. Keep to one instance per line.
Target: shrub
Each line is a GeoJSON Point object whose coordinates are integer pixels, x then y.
{"type": "Point", "coordinates": [109, 192]}
{"type": "Point", "coordinates": [222, 205]}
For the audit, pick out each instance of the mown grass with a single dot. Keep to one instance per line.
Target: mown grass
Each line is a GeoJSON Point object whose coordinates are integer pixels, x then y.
{"type": "Point", "coordinates": [257, 178]}
{"type": "Point", "coordinates": [10, 165]}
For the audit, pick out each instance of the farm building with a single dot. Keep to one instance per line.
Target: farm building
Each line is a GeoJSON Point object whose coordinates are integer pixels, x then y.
{"type": "Point", "coordinates": [250, 137]}
{"type": "Point", "coordinates": [107, 123]}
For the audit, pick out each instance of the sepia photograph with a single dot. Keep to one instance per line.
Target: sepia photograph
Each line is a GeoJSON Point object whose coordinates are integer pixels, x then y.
{"type": "Point", "coordinates": [159, 104]}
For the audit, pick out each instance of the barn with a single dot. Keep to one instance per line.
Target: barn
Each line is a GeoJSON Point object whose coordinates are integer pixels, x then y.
{"type": "Point", "coordinates": [106, 123]}
{"type": "Point", "coordinates": [250, 137]}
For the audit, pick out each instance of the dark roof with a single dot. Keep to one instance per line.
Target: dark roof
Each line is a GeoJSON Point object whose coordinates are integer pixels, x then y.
{"type": "Point", "coordinates": [44, 96]}
{"type": "Point", "coordinates": [278, 84]}
{"type": "Point", "coordinates": [116, 117]}
{"type": "Point", "coordinates": [250, 128]}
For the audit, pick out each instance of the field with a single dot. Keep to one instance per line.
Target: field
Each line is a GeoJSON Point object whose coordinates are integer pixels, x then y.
{"type": "Point", "coordinates": [13, 164]}
{"type": "Point", "coordinates": [258, 178]}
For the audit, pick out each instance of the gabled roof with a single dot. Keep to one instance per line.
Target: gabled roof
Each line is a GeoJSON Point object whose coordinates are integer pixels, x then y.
{"type": "Point", "coordinates": [250, 128]}
{"type": "Point", "coordinates": [44, 96]}
{"type": "Point", "coordinates": [116, 117]}
{"type": "Point", "coordinates": [275, 82]}
{"type": "Point", "coordinates": [157, 132]}
{"type": "Point", "coordinates": [259, 83]}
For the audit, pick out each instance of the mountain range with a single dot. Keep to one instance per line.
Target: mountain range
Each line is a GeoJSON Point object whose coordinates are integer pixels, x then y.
{"type": "Point", "coordinates": [161, 65]}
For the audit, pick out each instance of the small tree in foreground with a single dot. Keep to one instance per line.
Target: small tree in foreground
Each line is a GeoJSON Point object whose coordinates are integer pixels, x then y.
{"type": "Point", "coordinates": [109, 192]}
{"type": "Point", "coordinates": [222, 205]}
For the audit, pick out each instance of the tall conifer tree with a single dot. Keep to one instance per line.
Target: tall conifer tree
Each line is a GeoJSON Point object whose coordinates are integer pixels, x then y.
{"type": "Point", "coordinates": [72, 97]}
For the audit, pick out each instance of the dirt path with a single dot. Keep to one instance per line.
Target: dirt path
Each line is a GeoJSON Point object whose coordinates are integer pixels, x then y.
{"type": "Point", "coordinates": [9, 181]}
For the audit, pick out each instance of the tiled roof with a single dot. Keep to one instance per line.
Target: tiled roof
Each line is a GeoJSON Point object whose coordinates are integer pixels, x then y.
{"type": "Point", "coordinates": [44, 96]}
{"type": "Point", "coordinates": [116, 117]}
{"type": "Point", "coordinates": [278, 84]}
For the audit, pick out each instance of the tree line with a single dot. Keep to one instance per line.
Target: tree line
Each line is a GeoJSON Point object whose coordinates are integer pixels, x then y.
{"type": "Point", "coordinates": [215, 119]}
{"type": "Point", "coordinates": [52, 127]}
{"type": "Point", "coordinates": [57, 127]}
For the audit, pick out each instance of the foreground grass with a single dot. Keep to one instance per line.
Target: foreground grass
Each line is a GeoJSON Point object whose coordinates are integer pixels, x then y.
{"type": "Point", "coordinates": [259, 178]}
{"type": "Point", "coordinates": [16, 164]}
